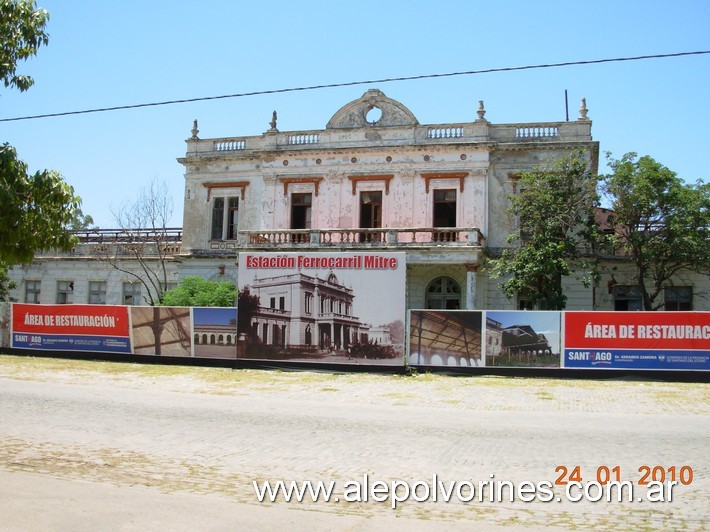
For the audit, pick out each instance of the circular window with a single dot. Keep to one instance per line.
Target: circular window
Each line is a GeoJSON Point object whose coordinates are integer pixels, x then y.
{"type": "Point", "coordinates": [373, 115]}
{"type": "Point", "coordinates": [443, 293]}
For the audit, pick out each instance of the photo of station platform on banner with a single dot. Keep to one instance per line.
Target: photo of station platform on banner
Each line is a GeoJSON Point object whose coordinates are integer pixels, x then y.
{"type": "Point", "coordinates": [637, 340]}
{"type": "Point", "coordinates": [322, 307]}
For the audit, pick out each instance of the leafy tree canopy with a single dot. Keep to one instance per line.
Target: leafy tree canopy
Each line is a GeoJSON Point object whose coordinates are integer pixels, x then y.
{"type": "Point", "coordinates": [663, 223]}
{"type": "Point", "coordinates": [195, 291]}
{"type": "Point", "coordinates": [22, 27]}
{"type": "Point", "coordinates": [37, 210]}
{"type": "Point", "coordinates": [554, 210]}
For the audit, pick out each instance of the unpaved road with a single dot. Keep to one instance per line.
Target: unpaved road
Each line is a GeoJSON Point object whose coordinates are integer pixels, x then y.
{"type": "Point", "coordinates": [102, 446]}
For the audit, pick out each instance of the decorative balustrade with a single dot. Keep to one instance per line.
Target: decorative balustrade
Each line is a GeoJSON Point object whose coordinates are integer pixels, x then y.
{"type": "Point", "coordinates": [129, 236]}
{"type": "Point", "coordinates": [230, 145]}
{"type": "Point", "coordinates": [537, 132]}
{"type": "Point", "coordinates": [304, 138]}
{"type": "Point", "coordinates": [274, 311]}
{"type": "Point", "coordinates": [357, 237]}
{"type": "Point", "coordinates": [469, 132]}
{"type": "Point", "coordinates": [445, 132]}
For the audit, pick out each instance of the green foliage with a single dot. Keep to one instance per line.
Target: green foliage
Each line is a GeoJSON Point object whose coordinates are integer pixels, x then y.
{"type": "Point", "coordinates": [6, 284]}
{"type": "Point", "coordinates": [555, 210]}
{"type": "Point", "coordinates": [21, 34]}
{"type": "Point", "coordinates": [663, 223]}
{"type": "Point", "coordinates": [37, 210]}
{"type": "Point", "coordinates": [82, 222]}
{"type": "Point", "coordinates": [195, 291]}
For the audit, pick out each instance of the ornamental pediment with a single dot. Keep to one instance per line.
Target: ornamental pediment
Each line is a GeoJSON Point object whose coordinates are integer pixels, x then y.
{"type": "Point", "coordinates": [373, 109]}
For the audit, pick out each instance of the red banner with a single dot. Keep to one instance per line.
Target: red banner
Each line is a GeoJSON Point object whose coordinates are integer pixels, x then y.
{"type": "Point", "coordinates": [92, 320]}
{"type": "Point", "coordinates": [637, 330]}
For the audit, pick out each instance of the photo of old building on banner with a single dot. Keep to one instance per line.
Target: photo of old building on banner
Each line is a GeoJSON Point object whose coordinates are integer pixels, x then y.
{"type": "Point", "coordinates": [344, 307]}
{"type": "Point", "coordinates": [523, 338]}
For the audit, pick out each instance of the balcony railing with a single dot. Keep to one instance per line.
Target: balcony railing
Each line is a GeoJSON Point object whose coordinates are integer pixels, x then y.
{"type": "Point", "coordinates": [359, 237]}
{"type": "Point", "coordinates": [464, 132]}
{"type": "Point", "coordinates": [129, 236]}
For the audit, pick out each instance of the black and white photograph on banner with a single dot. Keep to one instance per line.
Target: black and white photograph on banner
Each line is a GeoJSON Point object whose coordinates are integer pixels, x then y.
{"type": "Point", "coordinates": [214, 332]}
{"type": "Point", "coordinates": [445, 338]}
{"type": "Point", "coordinates": [323, 307]}
{"type": "Point", "coordinates": [522, 338]}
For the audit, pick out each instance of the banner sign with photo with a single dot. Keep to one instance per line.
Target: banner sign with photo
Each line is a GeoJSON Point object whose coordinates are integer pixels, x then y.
{"type": "Point", "coordinates": [100, 328]}
{"type": "Point", "coordinates": [446, 338]}
{"type": "Point", "coordinates": [637, 340]}
{"type": "Point", "coordinates": [323, 307]}
{"type": "Point", "coordinates": [491, 338]}
{"type": "Point", "coordinates": [161, 331]}
{"type": "Point", "coordinates": [523, 338]}
{"type": "Point", "coordinates": [214, 330]}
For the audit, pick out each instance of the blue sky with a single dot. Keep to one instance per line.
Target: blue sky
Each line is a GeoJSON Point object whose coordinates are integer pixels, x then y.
{"type": "Point", "coordinates": [104, 54]}
{"type": "Point", "coordinates": [213, 316]}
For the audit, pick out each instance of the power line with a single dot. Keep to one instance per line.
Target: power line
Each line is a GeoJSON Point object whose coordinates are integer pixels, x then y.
{"type": "Point", "coordinates": [353, 83]}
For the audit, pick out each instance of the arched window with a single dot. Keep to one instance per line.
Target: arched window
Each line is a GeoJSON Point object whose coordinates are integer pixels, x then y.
{"type": "Point", "coordinates": [443, 293]}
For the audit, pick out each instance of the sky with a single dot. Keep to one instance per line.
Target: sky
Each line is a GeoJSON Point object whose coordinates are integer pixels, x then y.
{"type": "Point", "coordinates": [104, 54]}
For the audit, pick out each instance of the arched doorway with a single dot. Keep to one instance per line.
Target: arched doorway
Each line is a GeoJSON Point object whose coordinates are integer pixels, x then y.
{"type": "Point", "coordinates": [443, 293]}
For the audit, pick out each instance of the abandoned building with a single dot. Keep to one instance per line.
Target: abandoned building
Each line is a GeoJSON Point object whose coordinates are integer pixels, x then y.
{"type": "Point", "coordinates": [374, 178]}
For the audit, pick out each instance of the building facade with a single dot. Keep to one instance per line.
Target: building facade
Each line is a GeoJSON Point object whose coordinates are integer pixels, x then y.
{"type": "Point", "coordinates": [305, 312]}
{"type": "Point", "coordinates": [374, 178]}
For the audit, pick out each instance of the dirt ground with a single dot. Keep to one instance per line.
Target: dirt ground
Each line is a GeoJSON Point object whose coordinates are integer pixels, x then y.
{"type": "Point", "coordinates": [108, 446]}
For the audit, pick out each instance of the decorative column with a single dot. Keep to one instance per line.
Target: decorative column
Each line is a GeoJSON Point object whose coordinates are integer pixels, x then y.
{"type": "Point", "coordinates": [471, 279]}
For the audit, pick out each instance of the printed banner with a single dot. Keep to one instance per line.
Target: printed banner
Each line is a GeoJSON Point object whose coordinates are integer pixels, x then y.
{"type": "Point", "coordinates": [637, 340]}
{"type": "Point", "coordinates": [493, 338]}
{"type": "Point", "coordinates": [215, 332]}
{"type": "Point", "coordinates": [100, 328]}
{"type": "Point", "coordinates": [523, 338]}
{"type": "Point", "coordinates": [445, 338]}
{"type": "Point", "coordinates": [161, 331]}
{"type": "Point", "coordinates": [322, 307]}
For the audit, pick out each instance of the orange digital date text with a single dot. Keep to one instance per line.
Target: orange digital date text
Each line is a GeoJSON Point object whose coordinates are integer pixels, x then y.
{"type": "Point", "coordinates": [605, 474]}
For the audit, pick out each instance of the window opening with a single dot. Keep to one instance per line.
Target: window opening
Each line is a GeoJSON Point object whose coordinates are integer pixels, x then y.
{"type": "Point", "coordinates": [444, 214]}
{"type": "Point", "coordinates": [443, 293]}
{"type": "Point", "coordinates": [370, 215]}
{"type": "Point", "coordinates": [627, 298]}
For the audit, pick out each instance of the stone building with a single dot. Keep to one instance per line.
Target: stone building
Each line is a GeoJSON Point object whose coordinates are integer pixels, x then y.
{"type": "Point", "coordinates": [375, 179]}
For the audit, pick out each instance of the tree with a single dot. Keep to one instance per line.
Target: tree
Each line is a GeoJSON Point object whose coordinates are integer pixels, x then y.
{"type": "Point", "coordinates": [663, 223]}
{"type": "Point", "coordinates": [37, 209]}
{"type": "Point", "coordinates": [195, 291]}
{"type": "Point", "coordinates": [144, 236]}
{"type": "Point", "coordinates": [21, 34]}
{"type": "Point", "coordinates": [247, 306]}
{"type": "Point", "coordinates": [396, 331]}
{"type": "Point", "coordinates": [555, 234]}
{"type": "Point", "coordinates": [37, 213]}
